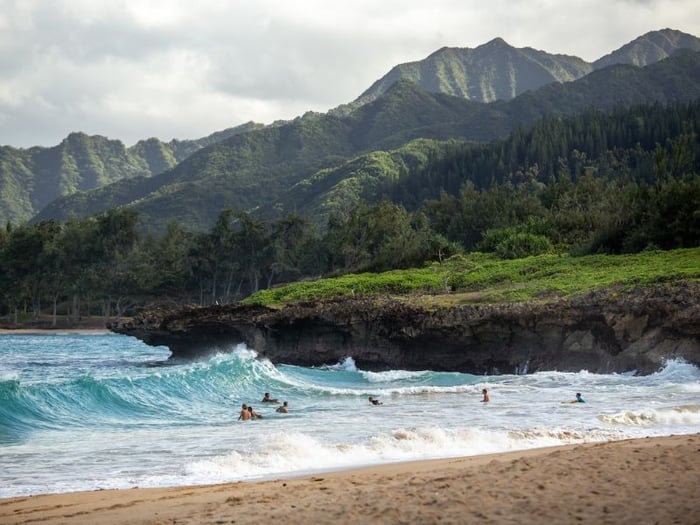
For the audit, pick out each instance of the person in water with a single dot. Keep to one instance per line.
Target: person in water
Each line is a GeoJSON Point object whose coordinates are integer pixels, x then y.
{"type": "Point", "coordinates": [283, 408]}
{"type": "Point", "coordinates": [486, 396]}
{"type": "Point", "coordinates": [253, 414]}
{"type": "Point", "coordinates": [244, 415]}
{"type": "Point", "coordinates": [267, 399]}
{"type": "Point", "coordinates": [374, 401]}
{"type": "Point", "coordinates": [579, 399]}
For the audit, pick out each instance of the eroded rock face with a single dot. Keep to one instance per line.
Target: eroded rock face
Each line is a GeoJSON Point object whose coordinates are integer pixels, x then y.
{"type": "Point", "coordinates": [606, 331]}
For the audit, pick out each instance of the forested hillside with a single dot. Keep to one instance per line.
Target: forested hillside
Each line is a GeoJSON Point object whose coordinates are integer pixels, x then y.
{"type": "Point", "coordinates": [600, 182]}
{"type": "Point", "coordinates": [32, 178]}
{"type": "Point", "coordinates": [261, 171]}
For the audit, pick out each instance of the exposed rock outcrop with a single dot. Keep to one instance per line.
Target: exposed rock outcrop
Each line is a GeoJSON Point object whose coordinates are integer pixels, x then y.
{"type": "Point", "coordinates": [604, 331]}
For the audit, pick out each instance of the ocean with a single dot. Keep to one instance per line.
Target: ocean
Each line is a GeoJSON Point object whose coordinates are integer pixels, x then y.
{"type": "Point", "coordinates": [104, 411]}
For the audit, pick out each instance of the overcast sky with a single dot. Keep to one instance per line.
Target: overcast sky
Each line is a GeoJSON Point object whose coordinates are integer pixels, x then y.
{"type": "Point", "coordinates": [134, 69]}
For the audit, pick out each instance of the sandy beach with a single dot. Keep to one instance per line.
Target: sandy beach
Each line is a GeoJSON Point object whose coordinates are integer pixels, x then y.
{"type": "Point", "coordinates": [652, 480]}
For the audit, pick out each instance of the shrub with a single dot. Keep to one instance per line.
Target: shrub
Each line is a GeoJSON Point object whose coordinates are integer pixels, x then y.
{"type": "Point", "coordinates": [519, 245]}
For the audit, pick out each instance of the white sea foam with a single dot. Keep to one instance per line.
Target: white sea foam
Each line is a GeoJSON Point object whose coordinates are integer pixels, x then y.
{"type": "Point", "coordinates": [300, 452]}
{"type": "Point", "coordinates": [347, 365]}
{"type": "Point", "coordinates": [9, 377]}
{"type": "Point", "coordinates": [393, 375]}
{"type": "Point", "coordinates": [680, 415]}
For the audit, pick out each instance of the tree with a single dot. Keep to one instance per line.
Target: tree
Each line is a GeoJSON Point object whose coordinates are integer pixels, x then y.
{"type": "Point", "coordinates": [292, 240]}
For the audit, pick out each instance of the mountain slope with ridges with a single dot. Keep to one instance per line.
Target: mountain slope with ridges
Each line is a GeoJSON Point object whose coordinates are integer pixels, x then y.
{"type": "Point", "coordinates": [32, 178]}
{"type": "Point", "coordinates": [650, 48]}
{"type": "Point", "coordinates": [498, 71]}
{"type": "Point", "coordinates": [256, 170]}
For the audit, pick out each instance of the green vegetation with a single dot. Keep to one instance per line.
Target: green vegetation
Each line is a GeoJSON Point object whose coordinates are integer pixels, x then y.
{"type": "Point", "coordinates": [485, 278]}
{"type": "Point", "coordinates": [263, 170]}
{"type": "Point", "coordinates": [31, 179]}
{"type": "Point", "coordinates": [632, 187]}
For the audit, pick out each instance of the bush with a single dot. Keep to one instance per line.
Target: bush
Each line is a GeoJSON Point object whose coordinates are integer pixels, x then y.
{"type": "Point", "coordinates": [519, 245]}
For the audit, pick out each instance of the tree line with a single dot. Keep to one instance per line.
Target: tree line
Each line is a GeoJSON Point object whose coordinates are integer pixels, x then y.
{"type": "Point", "coordinates": [613, 183]}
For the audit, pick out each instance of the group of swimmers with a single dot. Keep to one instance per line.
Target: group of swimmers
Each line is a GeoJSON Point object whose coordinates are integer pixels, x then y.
{"type": "Point", "coordinates": [248, 413]}
{"type": "Point", "coordinates": [579, 398]}
{"type": "Point", "coordinates": [486, 398]}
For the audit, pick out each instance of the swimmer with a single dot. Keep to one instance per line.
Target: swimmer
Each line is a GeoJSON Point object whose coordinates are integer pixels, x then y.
{"type": "Point", "coordinates": [244, 415]}
{"type": "Point", "coordinates": [486, 396]}
{"type": "Point", "coordinates": [267, 399]}
{"type": "Point", "coordinates": [253, 414]}
{"type": "Point", "coordinates": [374, 401]}
{"type": "Point", "coordinates": [283, 408]}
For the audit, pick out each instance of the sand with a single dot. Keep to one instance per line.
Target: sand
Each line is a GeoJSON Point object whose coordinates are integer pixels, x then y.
{"type": "Point", "coordinates": [651, 480]}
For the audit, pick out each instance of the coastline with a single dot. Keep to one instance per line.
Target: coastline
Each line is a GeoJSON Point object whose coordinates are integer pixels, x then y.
{"type": "Point", "coordinates": [53, 331]}
{"type": "Point", "coordinates": [643, 480]}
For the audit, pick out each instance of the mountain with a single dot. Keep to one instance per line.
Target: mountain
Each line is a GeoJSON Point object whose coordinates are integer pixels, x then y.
{"type": "Point", "coordinates": [650, 48]}
{"type": "Point", "coordinates": [254, 170]}
{"type": "Point", "coordinates": [674, 79]}
{"type": "Point", "coordinates": [362, 178]}
{"type": "Point", "coordinates": [366, 177]}
{"type": "Point", "coordinates": [498, 71]}
{"type": "Point", "coordinates": [426, 99]}
{"type": "Point", "coordinates": [315, 153]}
{"type": "Point", "coordinates": [32, 178]}
{"type": "Point", "coordinates": [493, 71]}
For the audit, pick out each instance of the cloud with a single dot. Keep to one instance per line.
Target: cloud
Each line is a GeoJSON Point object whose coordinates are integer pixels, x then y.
{"type": "Point", "coordinates": [132, 69]}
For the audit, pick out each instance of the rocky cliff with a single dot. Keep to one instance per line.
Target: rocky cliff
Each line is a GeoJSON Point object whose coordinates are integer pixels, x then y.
{"type": "Point", "coordinates": [604, 331]}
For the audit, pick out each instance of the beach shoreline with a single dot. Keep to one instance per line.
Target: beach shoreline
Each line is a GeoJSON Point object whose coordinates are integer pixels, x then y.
{"type": "Point", "coordinates": [646, 480]}
{"type": "Point", "coordinates": [53, 331]}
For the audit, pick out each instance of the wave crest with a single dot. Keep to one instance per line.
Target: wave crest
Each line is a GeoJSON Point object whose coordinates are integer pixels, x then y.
{"type": "Point", "coordinates": [680, 415]}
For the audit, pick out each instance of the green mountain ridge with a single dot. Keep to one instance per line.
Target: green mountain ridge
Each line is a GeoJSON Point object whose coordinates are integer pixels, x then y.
{"type": "Point", "coordinates": [649, 48]}
{"type": "Point", "coordinates": [498, 71]}
{"type": "Point", "coordinates": [32, 178]}
{"type": "Point", "coordinates": [255, 170]}
{"type": "Point", "coordinates": [493, 71]}
{"type": "Point", "coordinates": [260, 170]}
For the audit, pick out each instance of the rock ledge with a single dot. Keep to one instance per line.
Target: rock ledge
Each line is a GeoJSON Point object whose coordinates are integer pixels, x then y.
{"type": "Point", "coordinates": [604, 331]}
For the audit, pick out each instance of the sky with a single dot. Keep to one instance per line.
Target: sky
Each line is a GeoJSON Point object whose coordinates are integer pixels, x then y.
{"type": "Point", "coordinates": [135, 69]}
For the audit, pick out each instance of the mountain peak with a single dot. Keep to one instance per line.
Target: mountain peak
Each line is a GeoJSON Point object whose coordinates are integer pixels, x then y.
{"type": "Point", "coordinates": [496, 42]}
{"type": "Point", "coordinates": [493, 71]}
{"type": "Point", "coordinates": [649, 48]}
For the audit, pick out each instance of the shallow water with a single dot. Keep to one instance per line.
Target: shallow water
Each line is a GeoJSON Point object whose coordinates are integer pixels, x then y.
{"type": "Point", "coordinates": [82, 412]}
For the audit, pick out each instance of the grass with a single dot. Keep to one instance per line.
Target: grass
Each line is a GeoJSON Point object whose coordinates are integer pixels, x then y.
{"type": "Point", "coordinates": [485, 278]}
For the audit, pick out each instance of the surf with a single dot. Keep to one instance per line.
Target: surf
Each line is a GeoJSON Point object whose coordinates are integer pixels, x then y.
{"type": "Point", "coordinates": [79, 413]}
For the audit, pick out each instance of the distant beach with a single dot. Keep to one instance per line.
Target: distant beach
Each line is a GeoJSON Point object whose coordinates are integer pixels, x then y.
{"type": "Point", "coordinates": [650, 480]}
{"type": "Point", "coordinates": [54, 331]}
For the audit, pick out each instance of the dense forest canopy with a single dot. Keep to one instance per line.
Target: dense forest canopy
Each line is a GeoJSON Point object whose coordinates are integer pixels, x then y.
{"type": "Point", "coordinates": [614, 183]}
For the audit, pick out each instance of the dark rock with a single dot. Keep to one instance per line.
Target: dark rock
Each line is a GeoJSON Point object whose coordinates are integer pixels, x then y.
{"type": "Point", "coordinates": [610, 330]}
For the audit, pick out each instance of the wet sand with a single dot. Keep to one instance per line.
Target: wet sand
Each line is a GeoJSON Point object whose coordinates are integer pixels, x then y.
{"type": "Point", "coordinates": [651, 480]}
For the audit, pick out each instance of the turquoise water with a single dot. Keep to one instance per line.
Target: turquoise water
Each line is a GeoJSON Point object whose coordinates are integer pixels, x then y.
{"type": "Point", "coordinates": [82, 412]}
